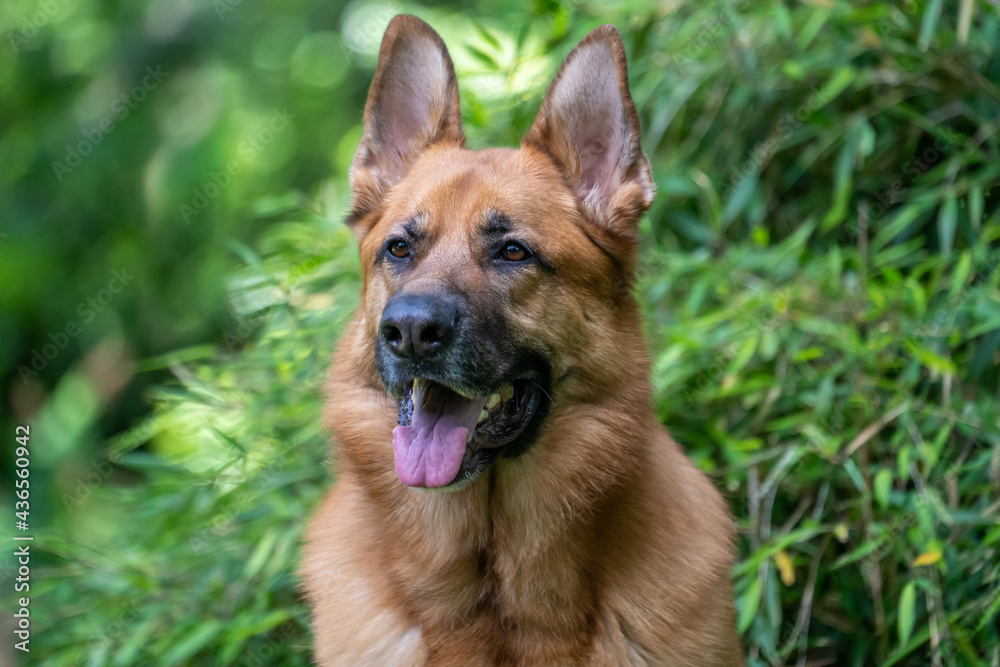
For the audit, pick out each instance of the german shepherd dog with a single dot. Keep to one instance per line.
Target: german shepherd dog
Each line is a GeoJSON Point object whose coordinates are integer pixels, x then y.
{"type": "Point", "coordinates": [506, 495]}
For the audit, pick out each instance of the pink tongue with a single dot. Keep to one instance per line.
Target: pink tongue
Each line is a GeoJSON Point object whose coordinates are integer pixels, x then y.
{"type": "Point", "coordinates": [429, 451]}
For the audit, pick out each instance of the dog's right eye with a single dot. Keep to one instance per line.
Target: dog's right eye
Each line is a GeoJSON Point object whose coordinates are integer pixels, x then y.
{"type": "Point", "coordinates": [398, 248]}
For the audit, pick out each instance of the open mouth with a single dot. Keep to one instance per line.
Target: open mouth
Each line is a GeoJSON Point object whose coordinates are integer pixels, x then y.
{"type": "Point", "coordinates": [445, 439]}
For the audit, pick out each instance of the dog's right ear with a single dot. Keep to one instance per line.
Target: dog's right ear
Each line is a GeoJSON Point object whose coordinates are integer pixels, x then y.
{"type": "Point", "coordinates": [412, 103]}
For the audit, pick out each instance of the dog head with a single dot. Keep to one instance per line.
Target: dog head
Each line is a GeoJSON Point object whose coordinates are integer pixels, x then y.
{"type": "Point", "coordinates": [493, 280]}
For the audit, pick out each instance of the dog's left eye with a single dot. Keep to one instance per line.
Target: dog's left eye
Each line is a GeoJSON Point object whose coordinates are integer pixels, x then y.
{"type": "Point", "coordinates": [514, 252]}
{"type": "Point", "coordinates": [398, 248]}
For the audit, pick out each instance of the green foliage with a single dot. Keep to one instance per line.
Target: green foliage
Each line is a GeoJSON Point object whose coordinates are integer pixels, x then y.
{"type": "Point", "coordinates": [201, 561]}
{"type": "Point", "coordinates": [822, 301]}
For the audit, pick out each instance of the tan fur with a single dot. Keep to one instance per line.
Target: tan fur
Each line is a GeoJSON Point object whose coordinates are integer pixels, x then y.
{"type": "Point", "coordinates": [601, 544]}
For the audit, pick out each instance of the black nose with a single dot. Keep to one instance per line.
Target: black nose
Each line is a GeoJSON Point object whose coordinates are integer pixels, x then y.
{"type": "Point", "coordinates": [417, 327]}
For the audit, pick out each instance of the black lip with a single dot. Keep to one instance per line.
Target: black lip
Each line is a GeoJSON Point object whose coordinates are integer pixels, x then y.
{"type": "Point", "coordinates": [512, 418]}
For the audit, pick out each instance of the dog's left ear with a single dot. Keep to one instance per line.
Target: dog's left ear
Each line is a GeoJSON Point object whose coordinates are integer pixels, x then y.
{"type": "Point", "coordinates": [589, 127]}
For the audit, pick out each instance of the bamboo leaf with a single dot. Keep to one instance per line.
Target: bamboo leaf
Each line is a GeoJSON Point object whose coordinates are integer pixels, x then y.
{"type": "Point", "coordinates": [932, 12]}
{"type": "Point", "coordinates": [907, 612]}
{"type": "Point", "coordinates": [748, 604]}
{"type": "Point", "coordinates": [486, 35]}
{"type": "Point", "coordinates": [785, 567]}
{"type": "Point", "coordinates": [927, 558]}
{"type": "Point", "coordinates": [947, 220]}
{"type": "Point", "coordinates": [882, 486]}
{"type": "Point", "coordinates": [483, 57]}
{"type": "Point", "coordinates": [197, 637]}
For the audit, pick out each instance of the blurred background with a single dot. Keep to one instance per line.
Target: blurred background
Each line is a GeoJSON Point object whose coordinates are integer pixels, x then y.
{"type": "Point", "coordinates": [819, 278]}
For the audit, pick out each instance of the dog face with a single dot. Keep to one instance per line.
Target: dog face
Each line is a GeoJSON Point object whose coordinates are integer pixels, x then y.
{"type": "Point", "coordinates": [492, 279]}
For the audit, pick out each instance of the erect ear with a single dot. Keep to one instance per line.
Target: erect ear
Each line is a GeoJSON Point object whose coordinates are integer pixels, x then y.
{"type": "Point", "coordinates": [589, 127]}
{"type": "Point", "coordinates": [412, 103]}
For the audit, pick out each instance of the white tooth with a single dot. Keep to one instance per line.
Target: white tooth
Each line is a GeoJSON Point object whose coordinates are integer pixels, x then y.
{"type": "Point", "coordinates": [483, 415]}
{"type": "Point", "coordinates": [507, 392]}
{"type": "Point", "coordinates": [492, 401]}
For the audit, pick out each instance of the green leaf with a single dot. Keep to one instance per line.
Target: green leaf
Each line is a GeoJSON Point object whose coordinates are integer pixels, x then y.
{"type": "Point", "coordinates": [992, 608]}
{"type": "Point", "coordinates": [947, 220]}
{"type": "Point", "coordinates": [129, 651]}
{"type": "Point", "coordinates": [745, 354]}
{"type": "Point", "coordinates": [483, 57]}
{"type": "Point", "coordinates": [976, 205]}
{"type": "Point", "coordinates": [808, 354]}
{"type": "Point", "coordinates": [836, 85]}
{"type": "Point", "coordinates": [738, 198]}
{"type": "Point", "coordinates": [711, 199]}
{"type": "Point", "coordinates": [851, 468]}
{"type": "Point", "coordinates": [842, 180]}
{"type": "Point", "coordinates": [251, 257]}
{"type": "Point", "coordinates": [260, 554]}
{"type": "Point", "coordinates": [867, 144]}
{"type": "Point", "coordinates": [249, 625]}
{"type": "Point", "coordinates": [857, 553]}
{"type": "Point", "coordinates": [882, 486]}
{"type": "Point", "coordinates": [782, 19]}
{"type": "Point", "coordinates": [960, 275]}
{"type": "Point", "coordinates": [748, 604]}
{"type": "Point", "coordinates": [934, 362]}
{"type": "Point", "coordinates": [929, 21]}
{"type": "Point", "coordinates": [775, 545]}
{"type": "Point", "coordinates": [522, 36]}
{"type": "Point", "coordinates": [903, 461]}
{"type": "Point", "coordinates": [907, 612]}
{"type": "Point", "coordinates": [198, 637]}
{"type": "Point", "coordinates": [807, 33]}
{"type": "Point", "coordinates": [486, 35]}
{"type": "Point", "coordinates": [900, 222]}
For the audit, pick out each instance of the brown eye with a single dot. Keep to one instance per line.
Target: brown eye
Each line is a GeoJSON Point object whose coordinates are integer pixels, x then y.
{"type": "Point", "coordinates": [514, 252]}
{"type": "Point", "coordinates": [398, 248]}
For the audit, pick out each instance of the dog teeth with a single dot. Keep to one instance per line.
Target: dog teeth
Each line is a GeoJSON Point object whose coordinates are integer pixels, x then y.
{"type": "Point", "coordinates": [483, 415]}
{"type": "Point", "coordinates": [419, 388]}
{"type": "Point", "coordinates": [493, 401]}
{"type": "Point", "coordinates": [507, 392]}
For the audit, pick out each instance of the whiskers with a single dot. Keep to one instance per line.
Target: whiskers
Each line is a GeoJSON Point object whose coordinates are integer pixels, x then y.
{"type": "Point", "coordinates": [540, 388]}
